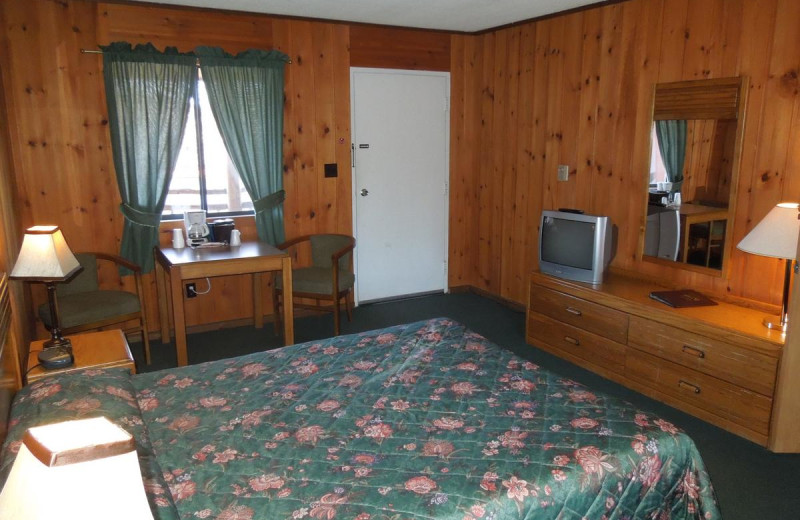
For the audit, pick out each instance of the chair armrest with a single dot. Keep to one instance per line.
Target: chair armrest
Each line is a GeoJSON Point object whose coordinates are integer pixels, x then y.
{"type": "Point", "coordinates": [343, 251]}
{"type": "Point", "coordinates": [293, 241]}
{"type": "Point", "coordinates": [117, 260]}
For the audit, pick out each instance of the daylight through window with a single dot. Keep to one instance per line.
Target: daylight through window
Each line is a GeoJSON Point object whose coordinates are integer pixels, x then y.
{"type": "Point", "coordinates": [204, 176]}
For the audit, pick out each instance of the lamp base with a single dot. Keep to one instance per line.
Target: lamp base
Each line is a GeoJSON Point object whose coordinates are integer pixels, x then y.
{"type": "Point", "coordinates": [56, 357]}
{"type": "Point", "coordinates": [57, 341]}
{"type": "Point", "coordinates": [775, 323]}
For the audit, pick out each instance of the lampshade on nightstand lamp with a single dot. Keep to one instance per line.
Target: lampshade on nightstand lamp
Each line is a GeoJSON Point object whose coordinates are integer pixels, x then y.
{"type": "Point", "coordinates": [85, 469]}
{"type": "Point", "coordinates": [45, 257]}
{"type": "Point", "coordinates": [776, 236]}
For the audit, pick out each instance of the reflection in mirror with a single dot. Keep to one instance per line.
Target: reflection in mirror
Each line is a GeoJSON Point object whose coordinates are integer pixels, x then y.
{"type": "Point", "coordinates": [694, 151]}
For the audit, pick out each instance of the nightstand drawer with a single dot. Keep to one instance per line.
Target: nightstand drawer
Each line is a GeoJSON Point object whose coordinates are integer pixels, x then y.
{"type": "Point", "coordinates": [721, 359]}
{"type": "Point", "coordinates": [606, 322]}
{"type": "Point", "coordinates": [718, 397]}
{"type": "Point", "coordinates": [580, 343]}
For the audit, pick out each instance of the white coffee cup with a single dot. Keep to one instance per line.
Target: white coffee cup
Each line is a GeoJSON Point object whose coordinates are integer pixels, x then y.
{"type": "Point", "coordinates": [177, 238]}
{"type": "Point", "coordinates": [236, 237]}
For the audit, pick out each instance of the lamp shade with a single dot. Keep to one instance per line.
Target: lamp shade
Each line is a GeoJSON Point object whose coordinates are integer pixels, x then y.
{"type": "Point", "coordinates": [776, 234]}
{"type": "Point", "coordinates": [45, 256]}
{"type": "Point", "coordinates": [85, 469]}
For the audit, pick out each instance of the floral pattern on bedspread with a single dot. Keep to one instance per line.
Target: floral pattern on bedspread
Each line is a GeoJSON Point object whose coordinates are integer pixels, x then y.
{"type": "Point", "coordinates": [84, 395]}
{"type": "Point", "coordinates": [426, 420]}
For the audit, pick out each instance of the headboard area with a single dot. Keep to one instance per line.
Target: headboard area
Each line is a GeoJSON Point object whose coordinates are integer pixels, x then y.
{"type": "Point", "coordinates": [9, 380]}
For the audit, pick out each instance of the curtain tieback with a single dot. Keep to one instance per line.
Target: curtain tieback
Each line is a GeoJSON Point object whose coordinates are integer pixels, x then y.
{"type": "Point", "coordinates": [140, 217]}
{"type": "Point", "coordinates": [270, 201]}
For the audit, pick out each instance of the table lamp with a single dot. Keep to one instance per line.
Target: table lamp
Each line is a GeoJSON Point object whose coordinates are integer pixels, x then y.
{"type": "Point", "coordinates": [776, 236]}
{"type": "Point", "coordinates": [45, 257]}
{"type": "Point", "coordinates": [86, 469]}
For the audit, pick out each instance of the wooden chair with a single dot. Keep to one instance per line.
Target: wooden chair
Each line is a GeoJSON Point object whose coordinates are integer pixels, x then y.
{"type": "Point", "coordinates": [83, 306]}
{"type": "Point", "coordinates": [330, 277]}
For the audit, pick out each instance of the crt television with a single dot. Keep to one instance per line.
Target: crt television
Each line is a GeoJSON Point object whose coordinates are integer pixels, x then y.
{"type": "Point", "coordinates": [575, 246]}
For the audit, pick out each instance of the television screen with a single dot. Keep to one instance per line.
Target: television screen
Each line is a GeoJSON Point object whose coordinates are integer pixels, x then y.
{"type": "Point", "coordinates": [568, 242]}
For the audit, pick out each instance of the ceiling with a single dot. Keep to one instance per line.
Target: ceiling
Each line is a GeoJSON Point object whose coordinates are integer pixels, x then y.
{"type": "Point", "coordinates": [450, 15]}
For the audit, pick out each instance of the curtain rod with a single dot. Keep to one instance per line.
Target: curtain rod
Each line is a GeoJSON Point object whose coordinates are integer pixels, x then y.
{"type": "Point", "coordinates": [90, 51]}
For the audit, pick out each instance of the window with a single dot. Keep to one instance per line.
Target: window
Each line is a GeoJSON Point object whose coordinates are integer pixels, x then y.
{"type": "Point", "coordinates": [658, 172]}
{"type": "Point", "coordinates": [204, 176]}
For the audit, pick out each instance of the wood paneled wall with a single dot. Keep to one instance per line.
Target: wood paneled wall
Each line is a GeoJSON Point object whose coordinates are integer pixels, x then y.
{"type": "Point", "coordinates": [574, 89]}
{"type": "Point", "coordinates": [9, 244]}
{"type": "Point", "coordinates": [60, 142]}
{"type": "Point", "coordinates": [577, 90]}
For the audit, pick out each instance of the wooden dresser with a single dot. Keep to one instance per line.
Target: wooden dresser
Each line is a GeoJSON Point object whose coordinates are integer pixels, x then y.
{"type": "Point", "coordinates": [718, 363]}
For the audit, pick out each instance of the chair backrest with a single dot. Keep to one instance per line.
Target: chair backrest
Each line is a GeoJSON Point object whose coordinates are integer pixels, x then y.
{"type": "Point", "coordinates": [323, 246]}
{"type": "Point", "coordinates": [86, 280]}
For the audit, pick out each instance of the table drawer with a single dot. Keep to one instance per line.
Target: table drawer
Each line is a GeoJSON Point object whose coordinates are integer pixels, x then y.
{"type": "Point", "coordinates": [586, 315]}
{"type": "Point", "coordinates": [720, 359]}
{"type": "Point", "coordinates": [718, 397]}
{"type": "Point", "coordinates": [580, 343]}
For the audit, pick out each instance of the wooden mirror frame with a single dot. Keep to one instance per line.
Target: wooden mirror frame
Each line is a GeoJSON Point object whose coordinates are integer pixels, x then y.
{"type": "Point", "coordinates": [720, 98]}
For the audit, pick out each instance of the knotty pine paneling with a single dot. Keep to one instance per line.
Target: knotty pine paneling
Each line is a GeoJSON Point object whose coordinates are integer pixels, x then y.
{"type": "Point", "coordinates": [397, 48]}
{"type": "Point", "coordinates": [59, 136]}
{"type": "Point", "coordinates": [577, 90]}
{"type": "Point", "coordinates": [9, 247]}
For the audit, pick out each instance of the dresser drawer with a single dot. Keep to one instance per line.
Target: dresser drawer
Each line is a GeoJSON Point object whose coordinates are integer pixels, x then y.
{"type": "Point", "coordinates": [723, 360]}
{"type": "Point", "coordinates": [718, 397]}
{"type": "Point", "coordinates": [580, 343]}
{"type": "Point", "coordinates": [586, 315]}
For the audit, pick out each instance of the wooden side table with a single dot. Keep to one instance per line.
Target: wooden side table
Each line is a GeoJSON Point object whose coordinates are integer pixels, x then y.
{"type": "Point", "coordinates": [105, 349]}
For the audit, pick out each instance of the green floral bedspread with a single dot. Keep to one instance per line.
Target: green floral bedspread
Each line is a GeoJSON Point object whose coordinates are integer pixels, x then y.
{"type": "Point", "coordinates": [426, 420]}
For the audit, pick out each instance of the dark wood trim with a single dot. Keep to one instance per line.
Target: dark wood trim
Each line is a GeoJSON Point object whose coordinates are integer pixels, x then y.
{"type": "Point", "coordinates": [548, 16]}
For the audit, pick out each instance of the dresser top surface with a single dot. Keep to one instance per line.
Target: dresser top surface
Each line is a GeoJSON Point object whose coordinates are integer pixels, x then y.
{"type": "Point", "coordinates": [632, 295]}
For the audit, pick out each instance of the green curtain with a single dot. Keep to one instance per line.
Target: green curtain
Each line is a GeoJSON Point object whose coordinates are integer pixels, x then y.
{"type": "Point", "coordinates": [671, 135]}
{"type": "Point", "coordinates": [246, 96]}
{"type": "Point", "coordinates": [148, 95]}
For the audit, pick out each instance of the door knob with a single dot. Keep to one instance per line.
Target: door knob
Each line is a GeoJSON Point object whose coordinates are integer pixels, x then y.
{"type": "Point", "coordinates": [364, 192]}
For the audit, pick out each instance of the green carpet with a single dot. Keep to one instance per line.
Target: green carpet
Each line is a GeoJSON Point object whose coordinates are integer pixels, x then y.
{"type": "Point", "coordinates": [751, 482]}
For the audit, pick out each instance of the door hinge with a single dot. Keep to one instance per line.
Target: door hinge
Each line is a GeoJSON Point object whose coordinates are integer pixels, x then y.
{"type": "Point", "coordinates": [446, 188]}
{"type": "Point", "coordinates": [352, 155]}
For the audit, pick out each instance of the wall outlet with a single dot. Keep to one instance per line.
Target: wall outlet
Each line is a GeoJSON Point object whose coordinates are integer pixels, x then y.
{"type": "Point", "coordinates": [563, 172]}
{"type": "Point", "coordinates": [191, 290]}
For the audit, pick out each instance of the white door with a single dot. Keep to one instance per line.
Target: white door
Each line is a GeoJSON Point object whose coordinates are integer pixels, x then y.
{"type": "Point", "coordinates": [400, 172]}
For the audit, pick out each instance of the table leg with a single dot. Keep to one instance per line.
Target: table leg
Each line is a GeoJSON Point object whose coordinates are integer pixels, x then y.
{"type": "Point", "coordinates": [258, 301]}
{"type": "Point", "coordinates": [163, 302]}
{"type": "Point", "coordinates": [288, 304]}
{"type": "Point", "coordinates": [178, 318]}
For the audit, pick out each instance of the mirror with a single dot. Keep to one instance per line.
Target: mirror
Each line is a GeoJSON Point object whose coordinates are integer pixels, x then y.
{"type": "Point", "coordinates": [695, 142]}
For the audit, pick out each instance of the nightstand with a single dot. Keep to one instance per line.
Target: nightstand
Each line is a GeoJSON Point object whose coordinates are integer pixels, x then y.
{"type": "Point", "coordinates": [106, 349]}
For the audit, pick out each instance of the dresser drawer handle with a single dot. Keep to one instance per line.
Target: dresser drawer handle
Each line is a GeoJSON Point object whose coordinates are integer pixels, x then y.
{"type": "Point", "coordinates": [570, 339]}
{"type": "Point", "coordinates": [574, 311]}
{"type": "Point", "coordinates": [694, 351]}
{"type": "Point", "coordinates": [688, 386]}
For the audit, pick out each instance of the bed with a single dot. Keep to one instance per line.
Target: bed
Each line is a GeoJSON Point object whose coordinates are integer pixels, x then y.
{"type": "Point", "coordinates": [424, 420]}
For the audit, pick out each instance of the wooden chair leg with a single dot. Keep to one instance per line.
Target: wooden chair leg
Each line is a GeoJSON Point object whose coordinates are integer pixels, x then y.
{"type": "Point", "coordinates": [145, 339]}
{"type": "Point", "coordinates": [276, 309]}
{"type": "Point", "coordinates": [347, 306]}
{"type": "Point", "coordinates": [335, 314]}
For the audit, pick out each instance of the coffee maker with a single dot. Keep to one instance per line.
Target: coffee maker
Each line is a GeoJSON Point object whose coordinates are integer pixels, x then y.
{"type": "Point", "coordinates": [196, 228]}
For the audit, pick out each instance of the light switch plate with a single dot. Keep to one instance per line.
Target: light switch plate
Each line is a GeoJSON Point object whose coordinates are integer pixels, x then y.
{"type": "Point", "coordinates": [563, 172]}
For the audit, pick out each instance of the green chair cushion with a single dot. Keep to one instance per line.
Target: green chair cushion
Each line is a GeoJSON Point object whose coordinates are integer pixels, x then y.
{"type": "Point", "coordinates": [317, 280]}
{"type": "Point", "coordinates": [90, 307]}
